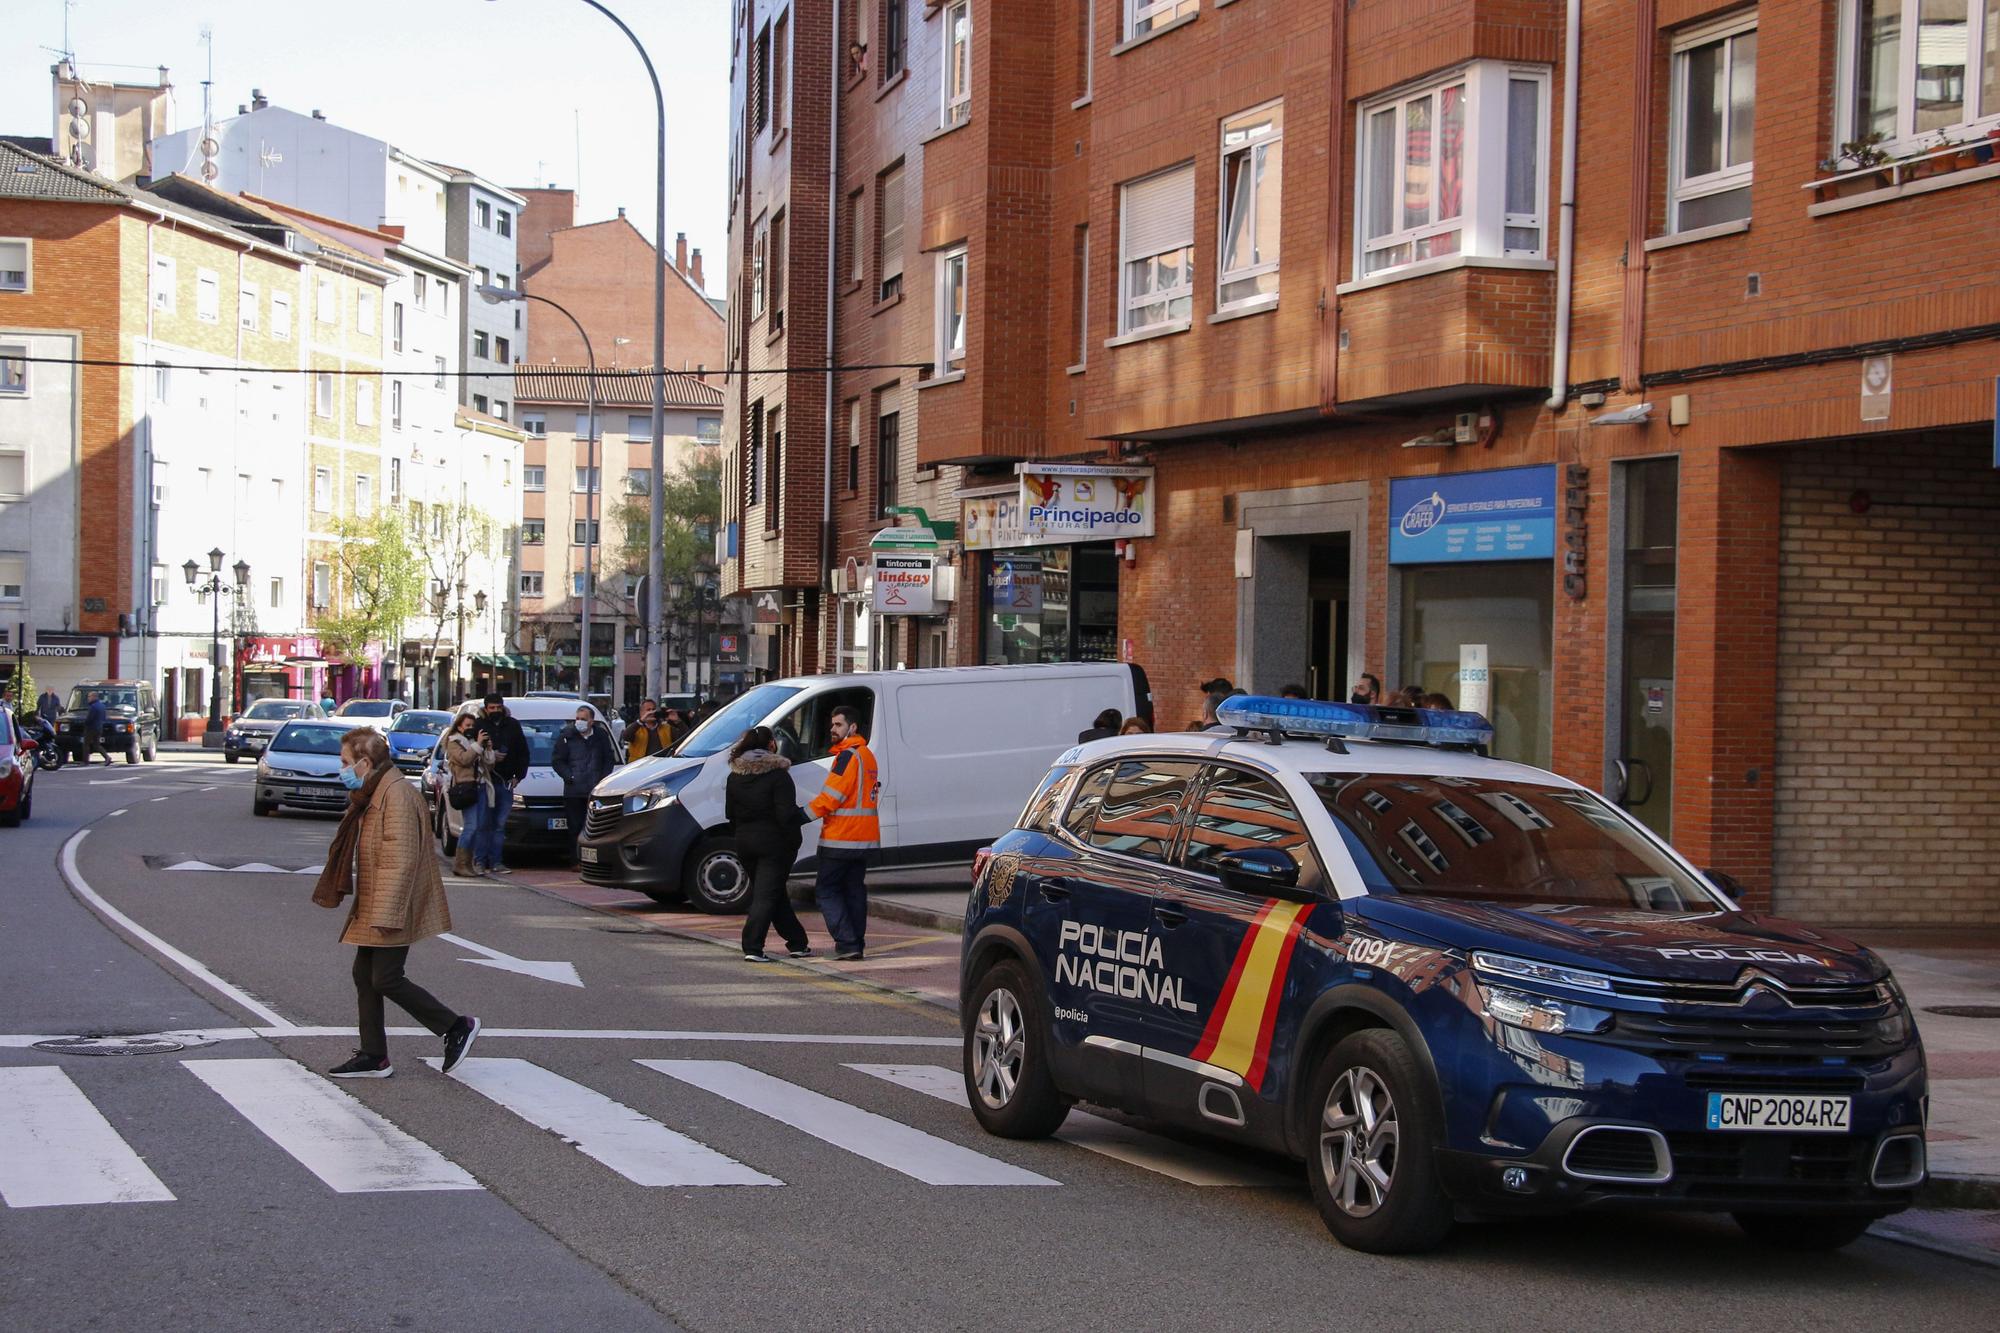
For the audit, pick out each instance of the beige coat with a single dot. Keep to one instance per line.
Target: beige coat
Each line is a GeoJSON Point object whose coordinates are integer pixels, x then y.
{"type": "Point", "coordinates": [398, 891]}
{"type": "Point", "coordinates": [469, 760]}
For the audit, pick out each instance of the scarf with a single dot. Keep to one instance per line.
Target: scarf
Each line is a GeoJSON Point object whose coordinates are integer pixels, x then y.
{"type": "Point", "coordinates": [336, 877]}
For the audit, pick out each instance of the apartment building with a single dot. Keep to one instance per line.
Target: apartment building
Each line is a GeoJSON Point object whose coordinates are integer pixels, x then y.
{"type": "Point", "coordinates": [1290, 343]}
{"type": "Point", "coordinates": [482, 226]}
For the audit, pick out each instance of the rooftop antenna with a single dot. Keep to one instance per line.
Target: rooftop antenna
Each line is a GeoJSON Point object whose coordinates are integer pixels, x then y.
{"type": "Point", "coordinates": [576, 114]}
{"type": "Point", "coordinates": [209, 148]}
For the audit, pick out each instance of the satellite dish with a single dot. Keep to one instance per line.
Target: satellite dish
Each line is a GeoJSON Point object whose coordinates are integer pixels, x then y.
{"type": "Point", "coordinates": [209, 147]}
{"type": "Point", "coordinates": [209, 171]}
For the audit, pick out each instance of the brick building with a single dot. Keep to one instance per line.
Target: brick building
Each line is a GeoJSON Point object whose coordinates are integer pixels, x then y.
{"type": "Point", "coordinates": [1311, 282]}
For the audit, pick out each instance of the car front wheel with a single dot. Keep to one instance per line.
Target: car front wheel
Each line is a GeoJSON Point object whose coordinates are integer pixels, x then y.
{"type": "Point", "coordinates": [1006, 1061]}
{"type": "Point", "coordinates": [1371, 1156]}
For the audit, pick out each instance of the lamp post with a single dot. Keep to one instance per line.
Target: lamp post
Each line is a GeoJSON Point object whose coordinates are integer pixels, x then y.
{"type": "Point", "coordinates": [215, 589]}
{"type": "Point", "coordinates": [495, 295]}
{"type": "Point", "coordinates": [655, 569]}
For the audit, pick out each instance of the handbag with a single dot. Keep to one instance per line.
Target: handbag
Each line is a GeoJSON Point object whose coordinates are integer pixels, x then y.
{"type": "Point", "coordinates": [462, 795]}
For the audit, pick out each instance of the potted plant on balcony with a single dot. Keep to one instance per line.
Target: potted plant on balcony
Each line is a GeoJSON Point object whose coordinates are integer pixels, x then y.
{"type": "Point", "coordinates": [1854, 157]}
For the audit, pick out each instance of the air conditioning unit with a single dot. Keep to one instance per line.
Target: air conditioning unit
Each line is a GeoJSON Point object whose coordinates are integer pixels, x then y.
{"type": "Point", "coordinates": [160, 494]}
{"type": "Point", "coordinates": [944, 583]}
{"type": "Point", "coordinates": [840, 588]}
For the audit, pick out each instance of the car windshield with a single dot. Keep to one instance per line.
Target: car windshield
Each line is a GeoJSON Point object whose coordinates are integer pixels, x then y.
{"type": "Point", "coordinates": [542, 733]}
{"type": "Point", "coordinates": [365, 708]}
{"type": "Point", "coordinates": [424, 721]}
{"type": "Point", "coordinates": [306, 738]}
{"type": "Point", "coordinates": [272, 710]}
{"type": "Point", "coordinates": [1518, 844]}
{"type": "Point", "coordinates": [722, 731]}
{"type": "Point", "coordinates": [115, 696]}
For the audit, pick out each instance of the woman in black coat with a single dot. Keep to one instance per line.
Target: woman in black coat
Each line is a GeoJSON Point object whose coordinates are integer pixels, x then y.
{"type": "Point", "coordinates": [762, 806]}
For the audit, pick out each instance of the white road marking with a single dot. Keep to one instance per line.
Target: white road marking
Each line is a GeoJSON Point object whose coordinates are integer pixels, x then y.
{"type": "Point", "coordinates": [532, 1034]}
{"type": "Point", "coordinates": [208, 789]}
{"type": "Point", "coordinates": [351, 1148]}
{"type": "Point", "coordinates": [1135, 1147]}
{"type": "Point", "coordinates": [81, 888]}
{"type": "Point", "coordinates": [114, 814]}
{"type": "Point", "coordinates": [912, 1152]}
{"type": "Point", "coordinates": [61, 1149]}
{"type": "Point", "coordinates": [637, 1147]}
{"type": "Point", "coordinates": [563, 973]}
{"type": "Point", "coordinates": [191, 865]}
{"type": "Point", "coordinates": [163, 798]}
{"type": "Point", "coordinates": [113, 782]}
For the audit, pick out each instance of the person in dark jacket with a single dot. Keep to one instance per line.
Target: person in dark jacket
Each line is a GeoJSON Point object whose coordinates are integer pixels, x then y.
{"type": "Point", "coordinates": [95, 719]}
{"type": "Point", "coordinates": [583, 758]}
{"type": "Point", "coordinates": [499, 729]}
{"type": "Point", "coordinates": [763, 806]}
{"type": "Point", "coordinates": [1107, 724]}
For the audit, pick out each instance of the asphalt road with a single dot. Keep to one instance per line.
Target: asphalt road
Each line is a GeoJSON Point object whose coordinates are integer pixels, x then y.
{"type": "Point", "coordinates": [782, 1160]}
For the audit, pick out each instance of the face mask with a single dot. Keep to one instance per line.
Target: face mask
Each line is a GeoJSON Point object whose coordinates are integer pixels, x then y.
{"type": "Point", "coordinates": [351, 780]}
{"type": "Point", "coordinates": [583, 725]}
{"type": "Point", "coordinates": [1358, 699]}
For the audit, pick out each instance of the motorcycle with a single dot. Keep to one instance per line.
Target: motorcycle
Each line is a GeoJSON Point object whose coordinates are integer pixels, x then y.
{"type": "Point", "coordinates": [47, 755]}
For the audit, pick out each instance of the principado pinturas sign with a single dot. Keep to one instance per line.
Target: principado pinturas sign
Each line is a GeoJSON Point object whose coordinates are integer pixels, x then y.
{"type": "Point", "coordinates": [1080, 503]}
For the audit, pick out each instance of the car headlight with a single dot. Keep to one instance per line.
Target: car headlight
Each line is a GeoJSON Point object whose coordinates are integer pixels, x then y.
{"type": "Point", "coordinates": [1549, 974]}
{"type": "Point", "coordinates": [1540, 1013]}
{"type": "Point", "coordinates": [655, 795]}
{"type": "Point", "coordinates": [8, 767]}
{"type": "Point", "coordinates": [520, 801]}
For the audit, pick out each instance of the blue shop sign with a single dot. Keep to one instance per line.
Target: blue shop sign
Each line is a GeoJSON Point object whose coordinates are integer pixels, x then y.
{"type": "Point", "coordinates": [1506, 514]}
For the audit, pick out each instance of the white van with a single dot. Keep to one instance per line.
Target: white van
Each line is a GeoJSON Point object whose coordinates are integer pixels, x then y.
{"type": "Point", "coordinates": [539, 820]}
{"type": "Point", "coordinates": [960, 750]}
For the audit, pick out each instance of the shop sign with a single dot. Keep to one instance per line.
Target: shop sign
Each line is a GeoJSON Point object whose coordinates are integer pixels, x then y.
{"type": "Point", "coordinates": [1506, 514]}
{"type": "Point", "coordinates": [57, 643]}
{"type": "Point", "coordinates": [1017, 586]}
{"type": "Point", "coordinates": [904, 583]}
{"type": "Point", "coordinates": [764, 609]}
{"type": "Point", "coordinates": [1473, 678]}
{"type": "Point", "coordinates": [992, 521]}
{"type": "Point", "coordinates": [729, 647]}
{"type": "Point", "coordinates": [266, 651]}
{"type": "Point", "coordinates": [1062, 503]}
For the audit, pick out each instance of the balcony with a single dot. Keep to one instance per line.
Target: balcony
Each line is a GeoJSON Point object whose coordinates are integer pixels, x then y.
{"type": "Point", "coordinates": [1460, 333]}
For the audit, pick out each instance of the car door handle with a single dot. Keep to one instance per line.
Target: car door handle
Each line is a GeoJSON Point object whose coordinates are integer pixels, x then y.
{"type": "Point", "coordinates": [1054, 893]}
{"type": "Point", "coordinates": [1169, 916]}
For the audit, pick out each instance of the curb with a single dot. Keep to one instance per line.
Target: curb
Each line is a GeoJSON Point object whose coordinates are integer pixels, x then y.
{"type": "Point", "coordinates": [1980, 1193]}
{"type": "Point", "coordinates": [907, 914]}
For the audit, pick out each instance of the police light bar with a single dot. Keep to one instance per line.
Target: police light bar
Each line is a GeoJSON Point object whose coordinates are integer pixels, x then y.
{"type": "Point", "coordinates": [1363, 722]}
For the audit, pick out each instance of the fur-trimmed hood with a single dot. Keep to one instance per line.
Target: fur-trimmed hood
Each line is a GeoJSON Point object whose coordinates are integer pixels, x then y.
{"type": "Point", "coordinates": [752, 762]}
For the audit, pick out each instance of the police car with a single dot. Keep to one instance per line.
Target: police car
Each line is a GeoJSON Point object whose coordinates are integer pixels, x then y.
{"type": "Point", "coordinates": [1454, 986]}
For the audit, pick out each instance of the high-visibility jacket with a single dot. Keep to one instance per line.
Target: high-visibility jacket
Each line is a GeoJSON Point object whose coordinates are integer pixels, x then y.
{"type": "Point", "coordinates": [645, 740]}
{"type": "Point", "coordinates": [847, 801]}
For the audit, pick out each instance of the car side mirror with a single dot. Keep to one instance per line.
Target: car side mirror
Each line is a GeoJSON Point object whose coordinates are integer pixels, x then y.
{"type": "Point", "coordinates": [1262, 872]}
{"type": "Point", "coordinates": [27, 743]}
{"type": "Point", "coordinates": [1727, 882]}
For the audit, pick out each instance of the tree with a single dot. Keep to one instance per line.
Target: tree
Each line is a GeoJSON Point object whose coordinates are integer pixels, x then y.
{"type": "Point", "coordinates": [449, 536]}
{"type": "Point", "coordinates": [692, 499]}
{"type": "Point", "coordinates": [381, 584]}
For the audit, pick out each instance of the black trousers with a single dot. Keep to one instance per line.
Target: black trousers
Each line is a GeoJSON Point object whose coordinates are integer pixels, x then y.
{"type": "Point", "coordinates": [578, 808]}
{"type": "Point", "coordinates": [378, 976]}
{"type": "Point", "coordinates": [768, 869]}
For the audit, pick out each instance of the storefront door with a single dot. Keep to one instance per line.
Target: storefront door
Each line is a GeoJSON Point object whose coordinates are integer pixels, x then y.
{"type": "Point", "coordinates": [1646, 753]}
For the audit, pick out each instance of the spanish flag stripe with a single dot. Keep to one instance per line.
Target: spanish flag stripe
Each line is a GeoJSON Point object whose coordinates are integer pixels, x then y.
{"type": "Point", "coordinates": [1213, 1033]}
{"type": "Point", "coordinates": [1235, 1046]}
{"type": "Point", "coordinates": [1254, 1076]}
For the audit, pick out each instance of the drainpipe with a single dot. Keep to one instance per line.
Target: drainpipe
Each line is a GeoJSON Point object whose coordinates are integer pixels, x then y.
{"type": "Point", "coordinates": [833, 199]}
{"type": "Point", "coordinates": [1336, 160]}
{"type": "Point", "coordinates": [1566, 244]}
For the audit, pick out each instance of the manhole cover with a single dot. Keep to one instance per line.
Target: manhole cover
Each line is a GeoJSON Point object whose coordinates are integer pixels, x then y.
{"type": "Point", "coordinates": [1965, 1010]}
{"type": "Point", "coordinates": [149, 1045]}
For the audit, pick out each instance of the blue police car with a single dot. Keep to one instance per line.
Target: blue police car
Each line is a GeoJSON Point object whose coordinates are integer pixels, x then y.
{"type": "Point", "coordinates": [1454, 986]}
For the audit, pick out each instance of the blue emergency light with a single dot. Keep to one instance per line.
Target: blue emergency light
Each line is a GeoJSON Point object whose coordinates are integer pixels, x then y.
{"type": "Point", "coordinates": [1360, 722]}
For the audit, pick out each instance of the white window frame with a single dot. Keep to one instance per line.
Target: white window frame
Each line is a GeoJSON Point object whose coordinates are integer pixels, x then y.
{"type": "Point", "coordinates": [534, 531]}
{"type": "Point", "coordinates": [947, 356]}
{"type": "Point", "coordinates": [1908, 139]}
{"type": "Point", "coordinates": [277, 594]}
{"type": "Point", "coordinates": [247, 297]}
{"type": "Point", "coordinates": [208, 296]}
{"type": "Point", "coordinates": [1129, 300]}
{"type": "Point", "coordinates": [759, 240]}
{"type": "Point", "coordinates": [395, 404]}
{"type": "Point", "coordinates": [14, 381]}
{"type": "Point", "coordinates": [26, 482]}
{"type": "Point", "coordinates": [644, 423]}
{"type": "Point", "coordinates": [165, 284]}
{"type": "Point", "coordinates": [13, 589]}
{"type": "Point", "coordinates": [1251, 148]}
{"type": "Point", "coordinates": [1155, 14]}
{"type": "Point", "coordinates": [364, 495]}
{"type": "Point", "coordinates": [482, 344]}
{"type": "Point", "coordinates": [281, 316]}
{"type": "Point", "coordinates": [531, 583]}
{"type": "Point", "coordinates": [955, 104]}
{"type": "Point", "coordinates": [586, 480]}
{"type": "Point", "coordinates": [395, 495]}
{"type": "Point", "coordinates": [323, 394]}
{"type": "Point", "coordinates": [483, 214]}
{"type": "Point", "coordinates": [322, 490]}
{"type": "Point", "coordinates": [322, 585]}
{"type": "Point", "coordinates": [364, 312]}
{"type": "Point", "coordinates": [326, 301]}
{"type": "Point", "coordinates": [25, 283]}
{"type": "Point", "coordinates": [1482, 221]}
{"type": "Point", "coordinates": [534, 477]}
{"type": "Point", "coordinates": [535, 425]}
{"type": "Point", "coordinates": [364, 403]}
{"type": "Point", "coordinates": [1731, 175]}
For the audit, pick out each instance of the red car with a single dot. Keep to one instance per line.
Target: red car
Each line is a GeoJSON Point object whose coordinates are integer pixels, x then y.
{"type": "Point", "coordinates": [17, 772]}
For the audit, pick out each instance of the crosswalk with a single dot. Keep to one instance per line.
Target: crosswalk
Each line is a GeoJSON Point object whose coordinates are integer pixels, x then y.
{"type": "Point", "coordinates": [58, 1148]}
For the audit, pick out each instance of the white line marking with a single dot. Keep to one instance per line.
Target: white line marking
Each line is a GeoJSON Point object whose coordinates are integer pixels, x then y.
{"type": "Point", "coordinates": [208, 789]}
{"type": "Point", "coordinates": [61, 1149]}
{"type": "Point", "coordinates": [81, 888]}
{"type": "Point", "coordinates": [191, 865]}
{"type": "Point", "coordinates": [351, 1148]}
{"type": "Point", "coordinates": [564, 973]}
{"type": "Point", "coordinates": [637, 1147]}
{"type": "Point", "coordinates": [162, 798]}
{"type": "Point", "coordinates": [897, 1146]}
{"type": "Point", "coordinates": [1135, 1147]}
{"type": "Point", "coordinates": [531, 1034]}
{"type": "Point", "coordinates": [113, 782]}
{"type": "Point", "coordinates": [113, 815]}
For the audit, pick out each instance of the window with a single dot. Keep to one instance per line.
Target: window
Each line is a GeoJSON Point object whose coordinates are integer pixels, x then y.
{"type": "Point", "coordinates": [364, 403]}
{"type": "Point", "coordinates": [587, 428]}
{"type": "Point", "coordinates": [281, 315]}
{"type": "Point", "coordinates": [535, 425]}
{"type": "Point", "coordinates": [163, 385]}
{"type": "Point", "coordinates": [585, 531]}
{"type": "Point", "coordinates": [246, 307]}
{"type": "Point", "coordinates": [1156, 268]}
{"type": "Point", "coordinates": [1079, 295]}
{"type": "Point", "coordinates": [950, 341]}
{"type": "Point", "coordinates": [776, 277]}
{"type": "Point", "coordinates": [277, 594]}
{"type": "Point", "coordinates": [781, 40]}
{"type": "Point", "coordinates": [1714, 112]}
{"type": "Point", "coordinates": [364, 495]}
{"type": "Point", "coordinates": [534, 477]}
{"type": "Point", "coordinates": [1141, 809]}
{"type": "Point", "coordinates": [277, 495]}
{"type": "Point", "coordinates": [957, 81]}
{"type": "Point", "coordinates": [163, 285]}
{"type": "Point", "coordinates": [14, 266]}
{"type": "Point", "coordinates": [639, 427]}
{"type": "Point", "coordinates": [889, 234]}
{"type": "Point", "coordinates": [587, 480]}
{"type": "Point", "coordinates": [1144, 16]}
{"type": "Point", "coordinates": [323, 395]}
{"type": "Point", "coordinates": [774, 510]}
{"type": "Point", "coordinates": [503, 351]}
{"type": "Point", "coordinates": [1911, 69]}
{"type": "Point", "coordinates": [479, 345]}
{"type": "Point", "coordinates": [13, 576]}
{"type": "Point", "coordinates": [500, 408]}
{"type": "Point", "coordinates": [1241, 810]}
{"type": "Point", "coordinates": [1252, 191]}
{"type": "Point", "coordinates": [395, 404]}
{"type": "Point", "coordinates": [420, 286]}
{"type": "Point", "coordinates": [1418, 201]}
{"type": "Point", "coordinates": [13, 368]}
{"type": "Point", "coordinates": [760, 82]}
{"type": "Point", "coordinates": [364, 312]}
{"type": "Point", "coordinates": [853, 444]}
{"type": "Point", "coordinates": [759, 242]}
{"type": "Point", "coordinates": [888, 457]}
{"type": "Point", "coordinates": [395, 481]}
{"type": "Point", "coordinates": [482, 212]}
{"type": "Point", "coordinates": [323, 490]}
{"type": "Point", "coordinates": [13, 473]}
{"type": "Point", "coordinates": [639, 481]}
{"type": "Point", "coordinates": [479, 403]}
{"type": "Point", "coordinates": [753, 475]}
{"type": "Point", "coordinates": [576, 586]}
{"type": "Point", "coordinates": [895, 33]}
{"type": "Point", "coordinates": [1086, 41]}
{"type": "Point", "coordinates": [708, 430]}
{"type": "Point", "coordinates": [396, 326]}
{"type": "Point", "coordinates": [532, 530]}
{"type": "Point", "coordinates": [504, 222]}
{"type": "Point", "coordinates": [207, 296]}
{"type": "Point", "coordinates": [857, 267]}
{"type": "Point", "coordinates": [531, 583]}
{"type": "Point", "coordinates": [322, 589]}
{"type": "Point", "coordinates": [327, 309]}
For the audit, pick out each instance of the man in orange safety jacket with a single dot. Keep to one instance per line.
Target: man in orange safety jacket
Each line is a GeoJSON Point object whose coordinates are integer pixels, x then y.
{"type": "Point", "coordinates": [849, 835]}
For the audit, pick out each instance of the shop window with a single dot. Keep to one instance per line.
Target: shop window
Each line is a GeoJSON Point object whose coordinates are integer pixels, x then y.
{"type": "Point", "coordinates": [1050, 604]}
{"type": "Point", "coordinates": [1508, 608]}
{"type": "Point", "coordinates": [1714, 114]}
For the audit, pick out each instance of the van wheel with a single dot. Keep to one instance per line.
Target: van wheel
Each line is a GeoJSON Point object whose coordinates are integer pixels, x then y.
{"type": "Point", "coordinates": [1006, 1061]}
{"type": "Point", "coordinates": [1803, 1231]}
{"type": "Point", "coordinates": [715, 879]}
{"type": "Point", "coordinates": [1371, 1156]}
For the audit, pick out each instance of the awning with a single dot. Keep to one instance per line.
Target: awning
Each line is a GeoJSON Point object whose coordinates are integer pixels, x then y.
{"type": "Point", "coordinates": [596, 661]}
{"type": "Point", "coordinates": [503, 661]}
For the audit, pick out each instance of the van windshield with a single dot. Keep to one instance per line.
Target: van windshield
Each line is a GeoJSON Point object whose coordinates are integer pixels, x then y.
{"type": "Point", "coordinates": [721, 731]}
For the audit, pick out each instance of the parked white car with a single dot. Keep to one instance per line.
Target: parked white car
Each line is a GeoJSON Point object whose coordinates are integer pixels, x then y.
{"type": "Point", "coordinates": [539, 819]}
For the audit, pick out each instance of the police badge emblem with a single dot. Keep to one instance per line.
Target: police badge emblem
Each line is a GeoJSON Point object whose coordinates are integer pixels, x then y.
{"type": "Point", "coordinates": [1000, 878]}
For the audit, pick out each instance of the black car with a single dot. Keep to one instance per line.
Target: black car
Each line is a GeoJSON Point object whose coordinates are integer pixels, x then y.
{"type": "Point", "coordinates": [131, 719]}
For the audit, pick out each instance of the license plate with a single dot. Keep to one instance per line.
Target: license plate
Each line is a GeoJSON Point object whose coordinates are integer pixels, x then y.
{"type": "Point", "coordinates": [555, 824]}
{"type": "Point", "coordinates": [588, 853]}
{"type": "Point", "coordinates": [1787, 1114]}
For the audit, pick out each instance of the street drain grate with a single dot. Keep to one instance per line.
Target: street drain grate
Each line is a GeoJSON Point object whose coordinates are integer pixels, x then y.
{"type": "Point", "coordinates": [106, 1044]}
{"type": "Point", "coordinates": [1965, 1010]}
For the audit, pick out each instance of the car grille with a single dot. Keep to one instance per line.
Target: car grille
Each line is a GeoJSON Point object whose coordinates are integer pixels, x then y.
{"type": "Point", "coordinates": [1764, 1041]}
{"type": "Point", "coordinates": [1614, 1152]}
{"type": "Point", "coordinates": [602, 819]}
{"type": "Point", "coordinates": [1860, 995]}
{"type": "Point", "coordinates": [1800, 1166]}
{"type": "Point", "coordinates": [551, 805]}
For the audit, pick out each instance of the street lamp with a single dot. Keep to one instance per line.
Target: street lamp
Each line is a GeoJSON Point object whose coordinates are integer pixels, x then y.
{"type": "Point", "coordinates": [656, 677]}
{"type": "Point", "coordinates": [493, 294]}
{"type": "Point", "coordinates": [215, 589]}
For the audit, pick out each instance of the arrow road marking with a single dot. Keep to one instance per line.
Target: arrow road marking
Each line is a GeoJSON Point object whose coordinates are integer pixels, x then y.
{"type": "Point", "coordinates": [546, 971]}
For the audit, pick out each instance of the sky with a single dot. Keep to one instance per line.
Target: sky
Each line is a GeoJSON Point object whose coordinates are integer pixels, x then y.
{"type": "Point", "coordinates": [505, 88]}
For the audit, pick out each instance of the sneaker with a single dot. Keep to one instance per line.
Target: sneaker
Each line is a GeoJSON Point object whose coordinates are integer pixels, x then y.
{"type": "Point", "coordinates": [801, 953]}
{"type": "Point", "coordinates": [458, 1040]}
{"type": "Point", "coordinates": [499, 870]}
{"type": "Point", "coordinates": [363, 1065]}
{"type": "Point", "coordinates": [847, 956]}
{"type": "Point", "coordinates": [759, 957]}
